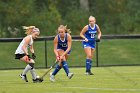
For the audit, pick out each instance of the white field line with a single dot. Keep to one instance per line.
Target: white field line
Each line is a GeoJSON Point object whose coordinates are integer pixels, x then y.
{"type": "Point", "coordinates": [117, 89]}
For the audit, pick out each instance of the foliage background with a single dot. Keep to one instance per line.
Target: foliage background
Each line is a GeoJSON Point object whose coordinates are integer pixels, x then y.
{"type": "Point", "coordinates": [113, 16]}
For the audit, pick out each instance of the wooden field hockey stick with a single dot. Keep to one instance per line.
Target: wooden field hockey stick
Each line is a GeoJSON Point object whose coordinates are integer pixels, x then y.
{"type": "Point", "coordinates": [48, 70]}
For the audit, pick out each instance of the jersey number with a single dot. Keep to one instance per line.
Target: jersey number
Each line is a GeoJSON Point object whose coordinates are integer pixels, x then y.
{"type": "Point", "coordinates": [64, 45]}
{"type": "Point", "coordinates": [92, 35]}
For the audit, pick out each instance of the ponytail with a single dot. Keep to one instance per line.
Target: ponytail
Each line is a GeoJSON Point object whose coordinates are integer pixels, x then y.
{"type": "Point", "coordinates": [65, 28]}
{"type": "Point", "coordinates": [28, 29]}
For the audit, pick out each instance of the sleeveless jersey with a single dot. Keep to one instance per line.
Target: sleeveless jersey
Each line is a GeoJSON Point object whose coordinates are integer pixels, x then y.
{"type": "Point", "coordinates": [91, 32]}
{"type": "Point", "coordinates": [90, 35]}
{"type": "Point", "coordinates": [62, 44]}
{"type": "Point", "coordinates": [20, 50]}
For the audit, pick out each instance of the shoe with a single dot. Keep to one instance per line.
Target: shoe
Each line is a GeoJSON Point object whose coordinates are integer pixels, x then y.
{"type": "Point", "coordinates": [52, 77]}
{"type": "Point", "coordinates": [89, 73]}
{"type": "Point", "coordinates": [70, 75]}
{"type": "Point", "coordinates": [37, 80]}
{"type": "Point", "coordinates": [23, 77]}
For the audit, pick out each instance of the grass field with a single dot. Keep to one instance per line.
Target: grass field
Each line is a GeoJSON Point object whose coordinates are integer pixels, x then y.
{"type": "Point", "coordinates": [111, 52]}
{"type": "Point", "coordinates": [124, 79]}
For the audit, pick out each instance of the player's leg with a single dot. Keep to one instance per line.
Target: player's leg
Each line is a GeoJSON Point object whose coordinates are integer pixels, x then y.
{"type": "Point", "coordinates": [33, 73]}
{"type": "Point", "coordinates": [65, 66]}
{"type": "Point", "coordinates": [57, 69]}
{"type": "Point", "coordinates": [90, 66]}
{"type": "Point", "coordinates": [27, 68]}
{"type": "Point", "coordinates": [88, 59]}
{"type": "Point", "coordinates": [59, 65]}
{"type": "Point", "coordinates": [30, 67]}
{"type": "Point", "coordinates": [92, 46]}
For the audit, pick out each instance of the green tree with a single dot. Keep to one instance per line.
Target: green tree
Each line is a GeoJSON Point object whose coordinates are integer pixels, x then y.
{"type": "Point", "coordinates": [113, 16]}
{"type": "Point", "coordinates": [15, 13]}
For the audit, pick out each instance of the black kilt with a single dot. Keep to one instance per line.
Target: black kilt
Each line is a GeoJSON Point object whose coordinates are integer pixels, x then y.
{"type": "Point", "coordinates": [18, 56]}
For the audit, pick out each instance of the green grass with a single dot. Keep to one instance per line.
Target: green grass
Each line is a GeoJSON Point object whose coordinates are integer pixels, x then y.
{"type": "Point", "coordinates": [106, 80]}
{"type": "Point", "coordinates": [119, 52]}
{"type": "Point", "coordinates": [111, 52]}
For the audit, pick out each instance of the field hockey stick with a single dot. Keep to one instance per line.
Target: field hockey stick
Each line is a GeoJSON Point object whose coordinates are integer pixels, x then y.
{"type": "Point", "coordinates": [48, 70]}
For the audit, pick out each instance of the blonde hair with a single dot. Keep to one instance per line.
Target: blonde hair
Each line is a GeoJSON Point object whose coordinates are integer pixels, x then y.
{"type": "Point", "coordinates": [92, 17]}
{"type": "Point", "coordinates": [28, 29]}
{"type": "Point", "coordinates": [65, 28]}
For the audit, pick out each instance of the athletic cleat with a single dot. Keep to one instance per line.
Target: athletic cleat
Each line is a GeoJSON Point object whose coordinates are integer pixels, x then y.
{"type": "Point", "coordinates": [52, 77]}
{"type": "Point", "coordinates": [23, 77]}
{"type": "Point", "coordinates": [89, 73]}
{"type": "Point", "coordinates": [70, 75]}
{"type": "Point", "coordinates": [37, 80]}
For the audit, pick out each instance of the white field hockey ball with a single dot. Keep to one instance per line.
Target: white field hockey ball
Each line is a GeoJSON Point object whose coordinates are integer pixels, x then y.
{"type": "Point", "coordinates": [37, 76]}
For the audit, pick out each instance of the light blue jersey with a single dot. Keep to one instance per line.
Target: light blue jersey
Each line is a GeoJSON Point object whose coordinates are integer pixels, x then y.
{"type": "Point", "coordinates": [90, 35]}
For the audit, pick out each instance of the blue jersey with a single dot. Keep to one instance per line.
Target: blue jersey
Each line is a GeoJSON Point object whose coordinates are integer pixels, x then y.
{"type": "Point", "coordinates": [91, 32]}
{"type": "Point", "coordinates": [90, 35]}
{"type": "Point", "coordinates": [62, 44]}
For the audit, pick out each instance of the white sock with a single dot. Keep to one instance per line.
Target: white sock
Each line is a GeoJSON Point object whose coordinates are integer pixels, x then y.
{"type": "Point", "coordinates": [27, 68]}
{"type": "Point", "coordinates": [33, 73]}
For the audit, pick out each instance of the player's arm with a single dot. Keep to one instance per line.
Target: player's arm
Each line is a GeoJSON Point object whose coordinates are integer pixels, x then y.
{"type": "Point", "coordinates": [55, 42]}
{"type": "Point", "coordinates": [32, 49]}
{"type": "Point", "coordinates": [83, 32]}
{"type": "Point", "coordinates": [69, 45]}
{"type": "Point", "coordinates": [99, 32]}
{"type": "Point", "coordinates": [27, 40]}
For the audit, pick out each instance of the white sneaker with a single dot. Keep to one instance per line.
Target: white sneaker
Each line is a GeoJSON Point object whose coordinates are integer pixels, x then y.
{"type": "Point", "coordinates": [23, 77]}
{"type": "Point", "coordinates": [52, 77]}
{"type": "Point", "coordinates": [86, 73]}
{"type": "Point", "coordinates": [70, 75]}
{"type": "Point", "coordinates": [89, 73]}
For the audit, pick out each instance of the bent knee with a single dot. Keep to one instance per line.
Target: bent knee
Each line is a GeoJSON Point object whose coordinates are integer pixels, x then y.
{"type": "Point", "coordinates": [31, 61]}
{"type": "Point", "coordinates": [90, 56]}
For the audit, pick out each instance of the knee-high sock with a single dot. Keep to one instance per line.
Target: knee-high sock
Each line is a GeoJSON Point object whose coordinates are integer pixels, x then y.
{"type": "Point", "coordinates": [56, 70]}
{"type": "Point", "coordinates": [32, 71]}
{"type": "Point", "coordinates": [65, 67]}
{"type": "Point", "coordinates": [27, 68]}
{"type": "Point", "coordinates": [88, 67]}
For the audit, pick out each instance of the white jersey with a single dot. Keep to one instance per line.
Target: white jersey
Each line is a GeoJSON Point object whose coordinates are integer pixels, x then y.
{"type": "Point", "coordinates": [20, 50]}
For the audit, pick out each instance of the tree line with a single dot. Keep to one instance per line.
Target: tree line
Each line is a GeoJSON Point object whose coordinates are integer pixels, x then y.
{"type": "Point", "coordinates": [113, 16]}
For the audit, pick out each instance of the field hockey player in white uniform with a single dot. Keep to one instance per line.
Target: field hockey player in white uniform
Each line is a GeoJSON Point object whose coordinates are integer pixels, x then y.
{"type": "Point", "coordinates": [23, 55]}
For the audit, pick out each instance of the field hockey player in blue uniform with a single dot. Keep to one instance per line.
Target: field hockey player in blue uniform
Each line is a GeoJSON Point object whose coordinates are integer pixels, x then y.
{"type": "Point", "coordinates": [88, 33]}
{"type": "Point", "coordinates": [62, 47]}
